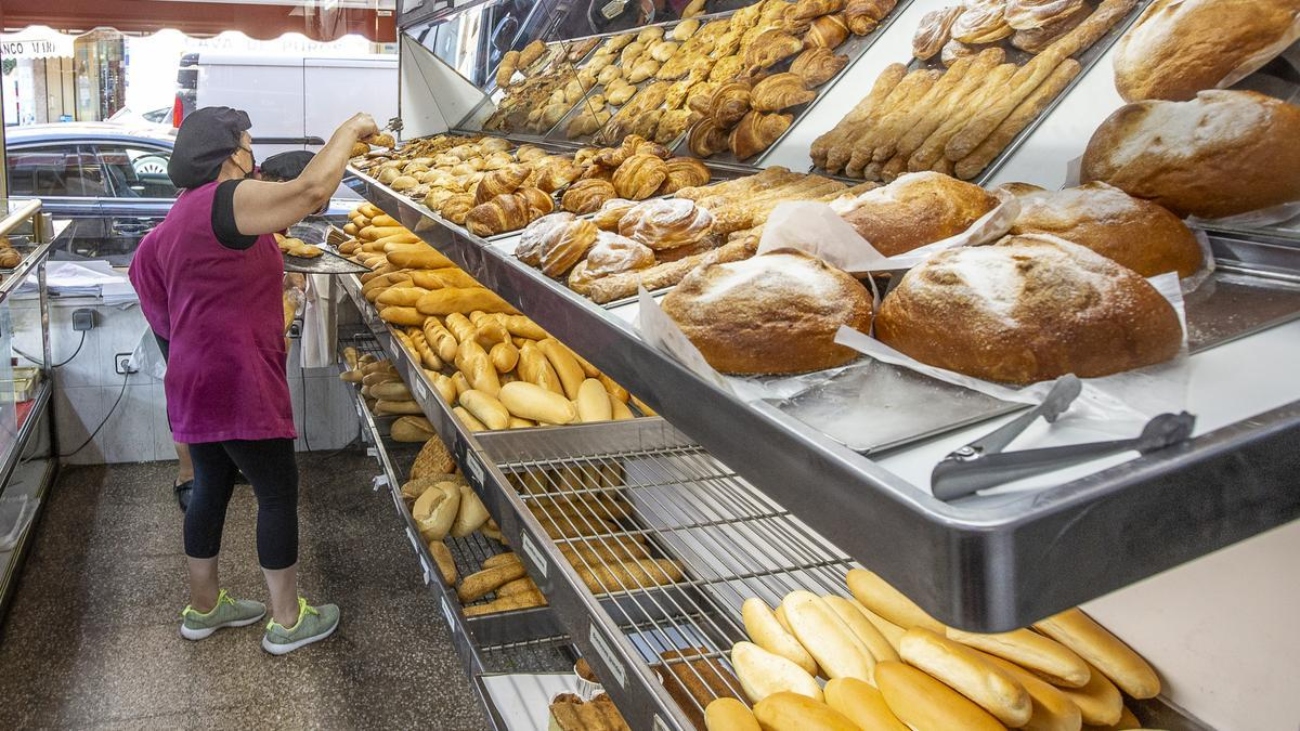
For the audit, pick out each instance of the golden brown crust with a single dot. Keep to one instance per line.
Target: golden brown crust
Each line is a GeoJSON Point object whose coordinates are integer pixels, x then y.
{"type": "Point", "coordinates": [828, 31]}
{"type": "Point", "coordinates": [568, 247]}
{"type": "Point", "coordinates": [640, 176]}
{"type": "Point", "coordinates": [780, 91]}
{"type": "Point", "coordinates": [934, 31]}
{"type": "Point", "coordinates": [587, 196]}
{"type": "Point", "coordinates": [776, 313]}
{"type": "Point", "coordinates": [756, 132]}
{"type": "Point", "coordinates": [816, 66]}
{"type": "Point", "coordinates": [666, 223]}
{"type": "Point", "coordinates": [684, 172]}
{"type": "Point", "coordinates": [1032, 308]}
{"type": "Point", "coordinates": [864, 15]}
{"type": "Point", "coordinates": [916, 210]}
{"type": "Point", "coordinates": [609, 215]}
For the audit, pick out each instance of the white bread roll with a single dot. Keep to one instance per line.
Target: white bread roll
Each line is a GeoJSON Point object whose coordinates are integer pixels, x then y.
{"type": "Point", "coordinates": [470, 515]}
{"type": "Point", "coordinates": [925, 704]}
{"type": "Point", "coordinates": [1040, 655]}
{"type": "Point", "coordinates": [729, 714]}
{"type": "Point", "coordinates": [831, 643]}
{"type": "Point", "coordinates": [892, 632]}
{"type": "Point", "coordinates": [794, 712]}
{"type": "Point", "coordinates": [530, 401]}
{"type": "Point", "coordinates": [1180, 47]}
{"type": "Point", "coordinates": [436, 509]}
{"type": "Point", "coordinates": [762, 673]}
{"type": "Point", "coordinates": [1052, 710]}
{"type": "Point", "coordinates": [861, 704]}
{"type": "Point", "coordinates": [882, 598]}
{"type": "Point", "coordinates": [1099, 701]}
{"type": "Point", "coordinates": [765, 631]}
{"type": "Point", "coordinates": [867, 633]}
{"type": "Point", "coordinates": [1220, 154]}
{"type": "Point", "coordinates": [963, 670]}
{"type": "Point", "coordinates": [1094, 643]}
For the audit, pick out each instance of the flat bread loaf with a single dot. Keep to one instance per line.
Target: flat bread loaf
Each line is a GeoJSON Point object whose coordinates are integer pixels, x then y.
{"type": "Point", "coordinates": [1030, 308]}
{"type": "Point", "coordinates": [915, 210]}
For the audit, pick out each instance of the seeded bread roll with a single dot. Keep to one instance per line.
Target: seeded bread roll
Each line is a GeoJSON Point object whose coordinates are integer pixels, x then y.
{"type": "Point", "coordinates": [915, 210]}
{"type": "Point", "coordinates": [1181, 47]}
{"type": "Point", "coordinates": [775, 313]}
{"type": "Point", "coordinates": [1030, 308]}
{"type": "Point", "coordinates": [1130, 231]}
{"type": "Point", "coordinates": [1221, 154]}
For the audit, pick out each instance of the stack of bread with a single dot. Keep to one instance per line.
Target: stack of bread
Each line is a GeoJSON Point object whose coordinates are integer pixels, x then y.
{"type": "Point", "coordinates": [549, 89]}
{"type": "Point", "coordinates": [890, 665]}
{"type": "Point", "coordinates": [292, 246]}
{"type": "Point", "coordinates": [568, 712]}
{"type": "Point", "coordinates": [386, 394]}
{"type": "Point", "coordinates": [957, 120]}
{"type": "Point", "coordinates": [9, 256]}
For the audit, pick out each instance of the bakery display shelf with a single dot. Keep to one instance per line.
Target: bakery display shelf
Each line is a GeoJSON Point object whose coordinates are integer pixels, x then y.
{"type": "Point", "coordinates": [1087, 59]}
{"type": "Point", "coordinates": [980, 563]}
{"type": "Point", "coordinates": [33, 259]}
{"type": "Point", "coordinates": [26, 478]}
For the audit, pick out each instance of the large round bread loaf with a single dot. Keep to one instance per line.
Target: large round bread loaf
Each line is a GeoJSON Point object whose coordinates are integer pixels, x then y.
{"type": "Point", "coordinates": [915, 210]}
{"type": "Point", "coordinates": [1030, 308]}
{"type": "Point", "coordinates": [1130, 231]}
{"type": "Point", "coordinates": [1221, 154]}
{"type": "Point", "coordinates": [774, 313]}
{"type": "Point", "coordinates": [1181, 47]}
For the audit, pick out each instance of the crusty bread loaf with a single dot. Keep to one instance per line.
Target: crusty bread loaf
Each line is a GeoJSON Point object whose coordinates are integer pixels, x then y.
{"type": "Point", "coordinates": [1130, 231]}
{"type": "Point", "coordinates": [775, 313]}
{"type": "Point", "coordinates": [915, 210]}
{"type": "Point", "coordinates": [1031, 308]}
{"type": "Point", "coordinates": [1221, 154]}
{"type": "Point", "coordinates": [1181, 47]}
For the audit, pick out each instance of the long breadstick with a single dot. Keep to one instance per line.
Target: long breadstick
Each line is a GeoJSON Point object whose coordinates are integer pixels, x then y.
{"type": "Point", "coordinates": [929, 106]}
{"type": "Point", "coordinates": [984, 64]}
{"type": "Point", "coordinates": [885, 83]}
{"type": "Point", "coordinates": [1105, 17]}
{"type": "Point", "coordinates": [972, 165]}
{"type": "Point", "coordinates": [932, 149]}
{"type": "Point", "coordinates": [839, 155]}
{"type": "Point", "coordinates": [921, 81]}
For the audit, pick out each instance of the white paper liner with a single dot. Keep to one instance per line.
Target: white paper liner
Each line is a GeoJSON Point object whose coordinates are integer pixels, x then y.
{"type": "Point", "coordinates": [1254, 219]}
{"type": "Point", "coordinates": [1254, 63]}
{"type": "Point", "coordinates": [1108, 405]}
{"type": "Point", "coordinates": [1200, 276]}
{"type": "Point", "coordinates": [817, 229]}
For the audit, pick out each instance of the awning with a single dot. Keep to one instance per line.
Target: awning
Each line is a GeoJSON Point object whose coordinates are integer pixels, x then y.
{"type": "Point", "coordinates": [319, 20]}
{"type": "Point", "coordinates": [37, 41]}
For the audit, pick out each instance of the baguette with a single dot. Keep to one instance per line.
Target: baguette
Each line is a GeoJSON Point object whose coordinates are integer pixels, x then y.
{"type": "Point", "coordinates": [460, 383]}
{"type": "Point", "coordinates": [1020, 117]}
{"type": "Point", "coordinates": [729, 714]}
{"type": "Point", "coordinates": [931, 105]}
{"type": "Point", "coordinates": [925, 704]}
{"type": "Point", "coordinates": [830, 642]}
{"type": "Point", "coordinates": [862, 704]}
{"type": "Point", "coordinates": [599, 550]}
{"type": "Point", "coordinates": [766, 632]}
{"type": "Point", "coordinates": [412, 429]}
{"type": "Point", "coordinates": [566, 366]}
{"type": "Point", "coordinates": [491, 333]}
{"type": "Point", "coordinates": [446, 389]}
{"type": "Point", "coordinates": [517, 586]}
{"type": "Point", "coordinates": [405, 316]}
{"type": "Point", "coordinates": [1103, 650]}
{"type": "Point", "coordinates": [446, 564]}
{"type": "Point", "coordinates": [468, 419]}
{"type": "Point", "coordinates": [521, 326]}
{"type": "Point", "coordinates": [1052, 710]}
{"type": "Point", "coordinates": [640, 574]}
{"type": "Point", "coordinates": [386, 408]}
{"type": "Point", "coordinates": [442, 278]}
{"type": "Point", "coordinates": [501, 559]}
{"type": "Point", "coordinates": [796, 712]}
{"type": "Point", "coordinates": [443, 342]}
{"type": "Point", "coordinates": [857, 119]}
{"type": "Point", "coordinates": [374, 287]}
{"type": "Point", "coordinates": [461, 299]}
{"type": "Point", "coordinates": [480, 584]}
{"type": "Point", "coordinates": [1099, 701]}
{"type": "Point", "coordinates": [964, 82]}
{"type": "Point", "coordinates": [613, 388]}
{"type": "Point", "coordinates": [988, 93]}
{"type": "Point", "coordinates": [474, 362]}
{"type": "Point", "coordinates": [1040, 655]}
{"type": "Point", "coordinates": [530, 401]}
{"type": "Point", "coordinates": [391, 391]}
{"type": "Point", "coordinates": [471, 515]}
{"type": "Point", "coordinates": [398, 296]}
{"type": "Point", "coordinates": [890, 126]}
{"type": "Point", "coordinates": [504, 357]}
{"type": "Point", "coordinates": [512, 603]}
{"type": "Point", "coordinates": [518, 423]}
{"type": "Point", "coordinates": [486, 408]}
{"type": "Point", "coordinates": [418, 257]}
{"type": "Point", "coordinates": [962, 669]}
{"type": "Point", "coordinates": [593, 402]}
{"type": "Point", "coordinates": [618, 409]}
{"type": "Point", "coordinates": [878, 596]}
{"type": "Point", "coordinates": [866, 632]}
{"type": "Point", "coordinates": [460, 326]}
{"type": "Point", "coordinates": [372, 232]}
{"type": "Point", "coordinates": [534, 368]}
{"type": "Point", "coordinates": [762, 673]}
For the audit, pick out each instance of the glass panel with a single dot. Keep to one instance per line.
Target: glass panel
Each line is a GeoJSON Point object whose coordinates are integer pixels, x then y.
{"type": "Point", "coordinates": [137, 172]}
{"type": "Point", "coordinates": [37, 171]}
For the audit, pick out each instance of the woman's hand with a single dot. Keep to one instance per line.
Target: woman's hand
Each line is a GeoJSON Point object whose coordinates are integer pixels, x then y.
{"type": "Point", "coordinates": [363, 125]}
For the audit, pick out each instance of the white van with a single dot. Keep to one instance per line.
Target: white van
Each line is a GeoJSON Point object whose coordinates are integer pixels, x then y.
{"type": "Point", "coordinates": [294, 102]}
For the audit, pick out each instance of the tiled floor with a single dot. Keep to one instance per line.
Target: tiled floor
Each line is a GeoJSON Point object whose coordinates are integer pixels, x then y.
{"type": "Point", "coordinates": [91, 638]}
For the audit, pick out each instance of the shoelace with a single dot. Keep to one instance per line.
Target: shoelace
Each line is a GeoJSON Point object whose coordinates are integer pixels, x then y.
{"type": "Point", "coordinates": [303, 610]}
{"type": "Point", "coordinates": [222, 598]}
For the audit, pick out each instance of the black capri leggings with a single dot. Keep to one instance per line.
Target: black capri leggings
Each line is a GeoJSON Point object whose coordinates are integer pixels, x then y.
{"type": "Point", "coordinates": [271, 467]}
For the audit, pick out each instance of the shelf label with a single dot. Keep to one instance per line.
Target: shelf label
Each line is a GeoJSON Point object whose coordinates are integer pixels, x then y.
{"type": "Point", "coordinates": [447, 613]}
{"type": "Point", "coordinates": [603, 649]}
{"type": "Point", "coordinates": [421, 391]}
{"type": "Point", "coordinates": [534, 555]}
{"type": "Point", "coordinates": [475, 468]}
{"type": "Point", "coordinates": [378, 481]}
{"type": "Point", "coordinates": [660, 724]}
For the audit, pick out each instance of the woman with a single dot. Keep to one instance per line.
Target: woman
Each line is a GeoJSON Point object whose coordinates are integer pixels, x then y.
{"type": "Point", "coordinates": [209, 280]}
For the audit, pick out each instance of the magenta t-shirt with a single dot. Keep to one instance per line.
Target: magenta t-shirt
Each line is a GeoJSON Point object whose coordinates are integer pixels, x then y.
{"type": "Point", "coordinates": [221, 311]}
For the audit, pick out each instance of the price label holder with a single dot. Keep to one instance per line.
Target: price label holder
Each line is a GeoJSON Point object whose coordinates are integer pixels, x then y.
{"type": "Point", "coordinates": [605, 651]}
{"type": "Point", "coordinates": [420, 390]}
{"type": "Point", "coordinates": [534, 555]}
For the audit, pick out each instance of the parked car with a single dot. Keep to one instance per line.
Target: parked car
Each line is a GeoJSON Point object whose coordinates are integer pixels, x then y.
{"type": "Point", "coordinates": [108, 179]}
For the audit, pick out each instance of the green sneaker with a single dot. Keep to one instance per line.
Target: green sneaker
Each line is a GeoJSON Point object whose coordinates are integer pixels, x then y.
{"type": "Point", "coordinates": [229, 612]}
{"type": "Point", "coordinates": [314, 624]}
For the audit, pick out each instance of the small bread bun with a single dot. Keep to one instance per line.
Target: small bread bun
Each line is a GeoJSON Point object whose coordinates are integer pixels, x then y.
{"type": "Point", "coordinates": [1052, 710]}
{"type": "Point", "coordinates": [1042, 655]}
{"type": "Point", "coordinates": [1220, 154]}
{"type": "Point", "coordinates": [1032, 308]}
{"type": "Point", "coordinates": [963, 670]}
{"type": "Point", "coordinates": [925, 704]}
{"type": "Point", "coordinates": [762, 673]}
{"type": "Point", "coordinates": [883, 599]}
{"type": "Point", "coordinates": [729, 714]}
{"type": "Point", "coordinates": [794, 712]}
{"type": "Point", "coordinates": [1180, 47]}
{"type": "Point", "coordinates": [1097, 645]}
{"type": "Point", "coordinates": [915, 210]}
{"type": "Point", "coordinates": [1129, 231]}
{"type": "Point", "coordinates": [861, 704]}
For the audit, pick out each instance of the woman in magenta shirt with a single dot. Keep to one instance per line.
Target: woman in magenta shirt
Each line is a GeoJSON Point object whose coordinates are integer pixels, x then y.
{"type": "Point", "coordinates": [209, 280]}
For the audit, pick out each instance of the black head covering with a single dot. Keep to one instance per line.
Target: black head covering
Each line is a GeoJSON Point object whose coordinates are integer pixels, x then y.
{"type": "Point", "coordinates": [286, 165]}
{"type": "Point", "coordinates": [206, 138]}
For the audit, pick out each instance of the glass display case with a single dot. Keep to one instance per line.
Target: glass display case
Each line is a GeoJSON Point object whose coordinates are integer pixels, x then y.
{"type": "Point", "coordinates": [27, 458]}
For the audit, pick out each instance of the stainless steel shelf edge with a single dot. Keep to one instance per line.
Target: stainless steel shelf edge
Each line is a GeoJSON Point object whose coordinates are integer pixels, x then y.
{"type": "Point", "coordinates": [34, 259]}
{"type": "Point", "coordinates": [987, 570]}
{"type": "Point", "coordinates": [641, 698]}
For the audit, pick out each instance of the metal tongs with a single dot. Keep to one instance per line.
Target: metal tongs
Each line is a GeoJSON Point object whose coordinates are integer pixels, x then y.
{"type": "Point", "coordinates": [982, 463]}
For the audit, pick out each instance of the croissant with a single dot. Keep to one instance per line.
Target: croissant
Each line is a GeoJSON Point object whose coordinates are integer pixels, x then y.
{"type": "Point", "coordinates": [587, 196]}
{"type": "Point", "coordinates": [497, 182]}
{"type": "Point", "coordinates": [531, 53]}
{"type": "Point", "coordinates": [529, 153]}
{"type": "Point", "coordinates": [684, 172]}
{"type": "Point", "coordinates": [791, 23]}
{"type": "Point", "coordinates": [862, 16]}
{"type": "Point", "coordinates": [557, 173]}
{"type": "Point", "coordinates": [673, 124]}
{"type": "Point", "coordinates": [598, 172]}
{"type": "Point", "coordinates": [645, 147]}
{"type": "Point", "coordinates": [731, 102]}
{"type": "Point", "coordinates": [816, 66]}
{"type": "Point", "coordinates": [539, 202]}
{"type": "Point", "coordinates": [770, 48]}
{"type": "Point", "coordinates": [497, 161]}
{"type": "Point", "coordinates": [756, 132]}
{"type": "Point", "coordinates": [645, 68]}
{"type": "Point", "coordinates": [780, 91]}
{"type": "Point", "coordinates": [828, 31]}
{"type": "Point", "coordinates": [568, 247]}
{"type": "Point", "coordinates": [539, 236]}
{"type": "Point", "coordinates": [614, 254]}
{"type": "Point", "coordinates": [816, 8]}
{"type": "Point", "coordinates": [506, 212]}
{"type": "Point", "coordinates": [706, 138]}
{"type": "Point", "coordinates": [609, 215]}
{"type": "Point", "coordinates": [646, 124]}
{"type": "Point", "coordinates": [667, 223]}
{"type": "Point", "coordinates": [640, 176]}
{"type": "Point", "coordinates": [700, 97]}
{"type": "Point", "coordinates": [455, 208]}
